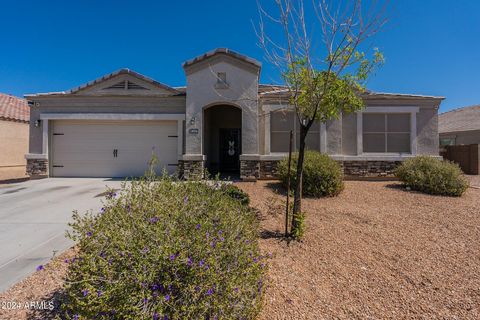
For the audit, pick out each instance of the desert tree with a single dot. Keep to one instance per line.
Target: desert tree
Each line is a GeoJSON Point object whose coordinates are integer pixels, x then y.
{"type": "Point", "coordinates": [319, 50]}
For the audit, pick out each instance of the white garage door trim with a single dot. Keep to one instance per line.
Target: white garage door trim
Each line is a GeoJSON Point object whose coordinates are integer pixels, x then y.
{"type": "Point", "coordinates": [112, 116]}
{"type": "Point", "coordinates": [82, 148]}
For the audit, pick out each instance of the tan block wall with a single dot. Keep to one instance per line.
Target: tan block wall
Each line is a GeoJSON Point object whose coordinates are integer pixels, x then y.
{"type": "Point", "coordinates": [13, 147]}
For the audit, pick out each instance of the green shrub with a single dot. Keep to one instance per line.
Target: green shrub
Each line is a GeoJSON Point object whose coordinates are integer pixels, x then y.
{"type": "Point", "coordinates": [433, 176]}
{"type": "Point", "coordinates": [237, 194]}
{"type": "Point", "coordinates": [166, 250]}
{"type": "Point", "coordinates": [322, 176]}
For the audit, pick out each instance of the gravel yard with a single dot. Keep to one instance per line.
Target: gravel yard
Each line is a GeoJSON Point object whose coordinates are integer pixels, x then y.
{"type": "Point", "coordinates": [374, 252]}
{"type": "Point", "coordinates": [41, 287]}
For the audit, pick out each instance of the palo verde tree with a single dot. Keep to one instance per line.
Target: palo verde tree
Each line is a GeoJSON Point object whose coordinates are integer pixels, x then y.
{"type": "Point", "coordinates": [325, 73]}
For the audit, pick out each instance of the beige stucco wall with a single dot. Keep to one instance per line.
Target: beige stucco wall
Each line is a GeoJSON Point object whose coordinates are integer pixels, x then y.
{"type": "Point", "coordinates": [13, 146]}
{"type": "Point", "coordinates": [334, 136]}
{"type": "Point", "coordinates": [242, 91]}
{"type": "Point", "coordinates": [341, 134]}
{"type": "Point", "coordinates": [427, 131]}
{"type": "Point", "coordinates": [349, 134]}
{"type": "Point", "coordinates": [95, 104]}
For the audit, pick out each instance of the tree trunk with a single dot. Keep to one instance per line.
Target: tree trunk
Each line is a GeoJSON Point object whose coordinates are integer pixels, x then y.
{"type": "Point", "coordinates": [297, 196]}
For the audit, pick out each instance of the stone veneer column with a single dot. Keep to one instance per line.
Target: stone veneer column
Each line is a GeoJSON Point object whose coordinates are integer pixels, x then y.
{"type": "Point", "coordinates": [37, 168]}
{"type": "Point", "coordinates": [191, 167]}
{"type": "Point", "coordinates": [249, 167]}
{"type": "Point", "coordinates": [269, 169]}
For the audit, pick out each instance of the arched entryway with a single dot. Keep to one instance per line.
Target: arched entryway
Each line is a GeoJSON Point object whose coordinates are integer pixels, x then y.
{"type": "Point", "coordinates": [222, 138]}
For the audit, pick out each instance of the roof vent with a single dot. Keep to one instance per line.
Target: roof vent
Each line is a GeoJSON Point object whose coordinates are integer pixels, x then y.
{"type": "Point", "coordinates": [119, 85]}
{"type": "Point", "coordinates": [134, 86]}
{"type": "Point", "coordinates": [126, 85]}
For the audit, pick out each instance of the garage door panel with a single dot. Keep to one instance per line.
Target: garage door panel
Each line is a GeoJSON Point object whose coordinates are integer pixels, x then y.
{"type": "Point", "coordinates": [79, 137]}
{"type": "Point", "coordinates": [74, 148]}
{"type": "Point", "coordinates": [105, 127]}
{"type": "Point", "coordinates": [85, 149]}
{"type": "Point", "coordinates": [123, 154]}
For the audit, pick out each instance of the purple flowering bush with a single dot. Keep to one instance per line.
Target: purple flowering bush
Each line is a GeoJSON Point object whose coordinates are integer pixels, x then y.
{"type": "Point", "coordinates": [166, 250]}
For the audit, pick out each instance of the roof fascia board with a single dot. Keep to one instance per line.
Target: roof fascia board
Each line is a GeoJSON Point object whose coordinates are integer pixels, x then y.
{"type": "Point", "coordinates": [121, 72]}
{"type": "Point", "coordinates": [220, 57]}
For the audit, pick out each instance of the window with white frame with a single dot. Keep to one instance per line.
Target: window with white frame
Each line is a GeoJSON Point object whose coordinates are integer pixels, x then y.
{"type": "Point", "coordinates": [386, 133]}
{"type": "Point", "coordinates": [281, 122]}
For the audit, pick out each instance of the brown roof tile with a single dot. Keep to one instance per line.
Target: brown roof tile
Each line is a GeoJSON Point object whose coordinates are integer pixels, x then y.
{"type": "Point", "coordinates": [13, 108]}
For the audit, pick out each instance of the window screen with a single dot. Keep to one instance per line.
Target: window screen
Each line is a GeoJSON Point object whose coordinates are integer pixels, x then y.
{"type": "Point", "coordinates": [281, 122]}
{"type": "Point", "coordinates": [386, 133]}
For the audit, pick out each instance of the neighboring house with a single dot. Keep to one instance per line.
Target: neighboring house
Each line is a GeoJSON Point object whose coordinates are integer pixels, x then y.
{"type": "Point", "coordinates": [14, 118]}
{"type": "Point", "coordinates": [223, 120]}
{"type": "Point", "coordinates": [460, 126]}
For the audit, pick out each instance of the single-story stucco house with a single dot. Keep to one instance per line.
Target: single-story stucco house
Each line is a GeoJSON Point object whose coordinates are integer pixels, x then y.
{"type": "Point", "coordinates": [460, 126]}
{"type": "Point", "coordinates": [14, 117]}
{"type": "Point", "coordinates": [223, 120]}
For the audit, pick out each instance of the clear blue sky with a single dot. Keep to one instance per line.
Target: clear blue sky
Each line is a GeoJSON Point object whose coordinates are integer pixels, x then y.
{"type": "Point", "coordinates": [431, 46]}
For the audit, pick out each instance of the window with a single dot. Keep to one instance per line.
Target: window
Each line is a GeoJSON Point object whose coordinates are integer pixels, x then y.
{"type": "Point", "coordinates": [386, 133]}
{"type": "Point", "coordinates": [281, 122]}
{"type": "Point", "coordinates": [447, 142]}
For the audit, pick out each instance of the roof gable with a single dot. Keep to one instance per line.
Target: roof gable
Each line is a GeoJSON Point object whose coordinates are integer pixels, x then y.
{"type": "Point", "coordinates": [123, 82]}
{"type": "Point", "coordinates": [213, 56]}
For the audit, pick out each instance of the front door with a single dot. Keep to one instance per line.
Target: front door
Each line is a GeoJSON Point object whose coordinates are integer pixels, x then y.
{"type": "Point", "coordinates": [229, 149]}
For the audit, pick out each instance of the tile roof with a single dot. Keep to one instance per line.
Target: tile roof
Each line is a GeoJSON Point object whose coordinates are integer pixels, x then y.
{"type": "Point", "coordinates": [462, 119]}
{"type": "Point", "coordinates": [262, 88]}
{"type": "Point", "coordinates": [105, 78]}
{"type": "Point", "coordinates": [224, 51]}
{"type": "Point", "coordinates": [13, 108]}
{"type": "Point", "coordinates": [119, 72]}
{"type": "Point", "coordinates": [272, 91]}
{"type": "Point", "coordinates": [400, 95]}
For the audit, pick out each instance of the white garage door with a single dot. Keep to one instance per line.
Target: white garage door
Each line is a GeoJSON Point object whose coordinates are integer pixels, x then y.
{"type": "Point", "coordinates": [112, 148]}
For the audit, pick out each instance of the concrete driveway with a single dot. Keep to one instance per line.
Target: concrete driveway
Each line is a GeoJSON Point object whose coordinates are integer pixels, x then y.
{"type": "Point", "coordinates": [33, 219]}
